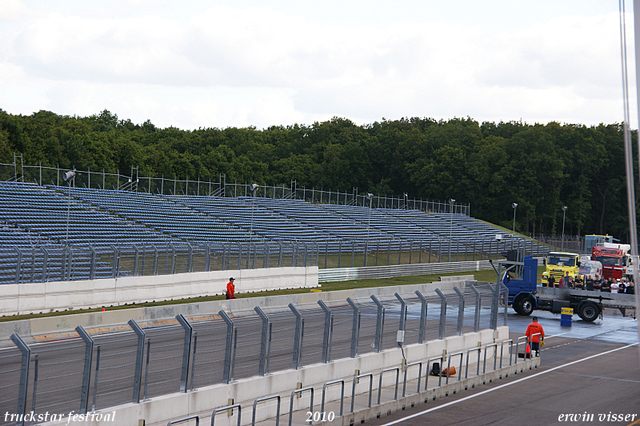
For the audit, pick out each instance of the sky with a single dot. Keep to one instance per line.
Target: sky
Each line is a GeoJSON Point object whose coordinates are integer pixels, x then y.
{"type": "Point", "coordinates": [240, 63]}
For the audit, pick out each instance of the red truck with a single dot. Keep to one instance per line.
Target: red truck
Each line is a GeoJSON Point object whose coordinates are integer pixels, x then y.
{"type": "Point", "coordinates": [613, 261]}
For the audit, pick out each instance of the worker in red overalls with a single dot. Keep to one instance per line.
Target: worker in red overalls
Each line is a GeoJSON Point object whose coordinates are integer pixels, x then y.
{"type": "Point", "coordinates": [231, 289]}
{"type": "Point", "coordinates": [532, 335]}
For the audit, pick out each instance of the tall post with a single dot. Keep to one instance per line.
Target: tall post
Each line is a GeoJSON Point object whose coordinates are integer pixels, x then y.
{"type": "Point", "coordinates": [328, 332]}
{"type": "Point", "coordinates": [226, 378]}
{"type": "Point", "coordinates": [265, 345]}
{"type": "Point", "coordinates": [460, 310]}
{"type": "Point", "coordinates": [379, 323]}
{"type": "Point", "coordinates": [297, 340]}
{"type": "Point", "coordinates": [443, 314]}
{"type": "Point", "coordinates": [137, 379]}
{"type": "Point", "coordinates": [564, 215]}
{"type": "Point", "coordinates": [355, 328]}
{"type": "Point", "coordinates": [186, 351]}
{"type": "Point", "coordinates": [24, 375]}
{"type": "Point", "coordinates": [423, 317]}
{"type": "Point", "coordinates": [86, 377]}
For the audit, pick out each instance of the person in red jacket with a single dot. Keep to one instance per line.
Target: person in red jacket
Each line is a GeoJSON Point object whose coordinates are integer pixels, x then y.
{"type": "Point", "coordinates": [231, 289]}
{"type": "Point", "coordinates": [532, 335]}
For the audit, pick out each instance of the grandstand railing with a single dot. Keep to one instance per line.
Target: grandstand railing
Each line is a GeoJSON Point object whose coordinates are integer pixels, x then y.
{"type": "Point", "coordinates": [104, 369]}
{"type": "Point", "coordinates": [44, 263]}
{"type": "Point", "coordinates": [101, 179]}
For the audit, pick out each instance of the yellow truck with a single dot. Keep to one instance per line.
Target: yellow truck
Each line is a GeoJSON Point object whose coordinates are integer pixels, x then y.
{"type": "Point", "coordinates": [558, 264]}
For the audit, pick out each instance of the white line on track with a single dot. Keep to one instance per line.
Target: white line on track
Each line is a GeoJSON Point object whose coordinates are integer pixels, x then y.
{"type": "Point", "coordinates": [395, 422]}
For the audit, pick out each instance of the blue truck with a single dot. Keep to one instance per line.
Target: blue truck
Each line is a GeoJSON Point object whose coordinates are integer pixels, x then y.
{"type": "Point", "coordinates": [524, 297]}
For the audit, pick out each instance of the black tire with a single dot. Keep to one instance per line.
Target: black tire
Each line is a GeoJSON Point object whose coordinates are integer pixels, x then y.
{"type": "Point", "coordinates": [524, 305]}
{"type": "Point", "coordinates": [588, 311]}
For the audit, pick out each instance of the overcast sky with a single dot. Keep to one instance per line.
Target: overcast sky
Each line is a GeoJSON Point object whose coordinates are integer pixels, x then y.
{"type": "Point", "coordinates": [222, 63]}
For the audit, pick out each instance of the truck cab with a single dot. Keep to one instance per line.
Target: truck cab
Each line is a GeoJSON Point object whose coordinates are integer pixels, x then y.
{"type": "Point", "coordinates": [558, 263]}
{"type": "Point", "coordinates": [522, 288]}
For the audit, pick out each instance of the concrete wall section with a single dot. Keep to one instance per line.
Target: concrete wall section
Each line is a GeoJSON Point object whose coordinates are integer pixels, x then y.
{"type": "Point", "coordinates": [17, 299]}
{"type": "Point", "coordinates": [65, 323]}
{"type": "Point", "coordinates": [205, 400]}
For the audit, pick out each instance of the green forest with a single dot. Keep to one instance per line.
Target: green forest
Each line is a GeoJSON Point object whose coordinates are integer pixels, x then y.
{"type": "Point", "coordinates": [488, 165]}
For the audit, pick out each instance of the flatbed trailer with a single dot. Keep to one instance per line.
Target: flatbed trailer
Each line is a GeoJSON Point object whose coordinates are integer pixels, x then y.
{"type": "Point", "coordinates": [525, 296]}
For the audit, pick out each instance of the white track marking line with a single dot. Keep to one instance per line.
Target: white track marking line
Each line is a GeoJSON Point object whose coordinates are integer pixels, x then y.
{"type": "Point", "coordinates": [395, 422]}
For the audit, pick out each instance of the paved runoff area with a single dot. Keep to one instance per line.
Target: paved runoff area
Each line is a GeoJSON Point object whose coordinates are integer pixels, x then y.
{"type": "Point", "coordinates": [589, 375]}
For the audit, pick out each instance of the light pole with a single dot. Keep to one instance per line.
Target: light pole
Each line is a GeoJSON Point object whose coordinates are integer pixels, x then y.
{"type": "Point", "coordinates": [70, 177]}
{"type": "Point", "coordinates": [451, 201]}
{"type": "Point", "coordinates": [515, 206]}
{"type": "Point", "coordinates": [254, 188]}
{"type": "Point", "coordinates": [564, 215]}
{"type": "Point", "coordinates": [406, 201]}
{"type": "Point", "coordinates": [369, 197]}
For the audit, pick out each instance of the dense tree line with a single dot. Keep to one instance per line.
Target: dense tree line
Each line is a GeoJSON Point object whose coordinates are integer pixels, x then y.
{"type": "Point", "coordinates": [489, 165]}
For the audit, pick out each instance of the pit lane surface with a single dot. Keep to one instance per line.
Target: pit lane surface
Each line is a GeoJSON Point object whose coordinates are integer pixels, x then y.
{"type": "Point", "coordinates": [590, 371]}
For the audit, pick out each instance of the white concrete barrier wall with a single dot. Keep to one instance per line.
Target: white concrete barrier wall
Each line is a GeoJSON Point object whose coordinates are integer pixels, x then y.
{"type": "Point", "coordinates": [203, 401]}
{"type": "Point", "coordinates": [27, 298]}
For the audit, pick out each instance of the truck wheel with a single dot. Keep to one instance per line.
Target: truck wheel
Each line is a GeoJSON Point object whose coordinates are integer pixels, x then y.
{"type": "Point", "coordinates": [588, 311]}
{"type": "Point", "coordinates": [524, 305]}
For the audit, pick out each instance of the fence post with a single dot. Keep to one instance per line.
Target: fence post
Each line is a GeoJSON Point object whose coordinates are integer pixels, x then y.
{"type": "Point", "coordinates": [297, 340]}
{"type": "Point", "coordinates": [460, 310]}
{"type": "Point", "coordinates": [137, 379]}
{"type": "Point", "coordinates": [24, 375]}
{"type": "Point", "coordinates": [186, 352]}
{"type": "Point", "coordinates": [494, 305]}
{"type": "Point", "coordinates": [328, 332]}
{"type": "Point", "coordinates": [423, 317]}
{"type": "Point", "coordinates": [443, 313]}
{"type": "Point", "coordinates": [476, 320]}
{"type": "Point", "coordinates": [226, 378]}
{"type": "Point", "coordinates": [355, 328]}
{"type": "Point", "coordinates": [45, 262]}
{"type": "Point", "coordinates": [18, 265]}
{"type": "Point", "coordinates": [379, 323]}
{"type": "Point", "coordinates": [86, 378]}
{"type": "Point", "coordinates": [403, 312]}
{"type": "Point", "coordinates": [92, 263]}
{"type": "Point", "coordinates": [265, 342]}
{"type": "Point", "coordinates": [506, 304]}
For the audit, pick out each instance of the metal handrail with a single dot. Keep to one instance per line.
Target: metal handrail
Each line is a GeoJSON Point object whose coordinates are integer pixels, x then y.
{"type": "Point", "coordinates": [449, 366]}
{"type": "Point", "coordinates": [502, 351]}
{"type": "Point", "coordinates": [184, 419]}
{"type": "Point", "coordinates": [426, 377]}
{"type": "Point", "coordinates": [495, 355]}
{"type": "Point", "coordinates": [228, 407]}
{"type": "Point", "coordinates": [353, 390]}
{"type": "Point", "coordinates": [404, 385]}
{"type": "Point", "coordinates": [518, 345]}
{"type": "Point", "coordinates": [266, 398]}
{"type": "Point", "coordinates": [539, 342]}
{"type": "Point", "coordinates": [300, 391]}
{"type": "Point", "coordinates": [466, 370]}
{"type": "Point", "coordinates": [397, 370]}
{"type": "Point", "coordinates": [324, 387]}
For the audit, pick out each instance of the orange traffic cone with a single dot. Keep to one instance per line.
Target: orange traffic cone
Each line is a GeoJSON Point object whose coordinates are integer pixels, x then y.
{"type": "Point", "coordinates": [528, 352]}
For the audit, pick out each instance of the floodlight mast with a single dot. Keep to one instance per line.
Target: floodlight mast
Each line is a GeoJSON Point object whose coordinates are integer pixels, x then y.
{"type": "Point", "coordinates": [564, 215]}
{"type": "Point", "coordinates": [451, 201]}
{"type": "Point", "coordinates": [514, 206]}
{"type": "Point", "coordinates": [70, 177]}
{"type": "Point", "coordinates": [369, 197]}
{"type": "Point", "coordinates": [254, 188]}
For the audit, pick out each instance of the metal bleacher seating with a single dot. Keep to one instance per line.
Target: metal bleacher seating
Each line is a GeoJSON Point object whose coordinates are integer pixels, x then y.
{"type": "Point", "coordinates": [35, 217]}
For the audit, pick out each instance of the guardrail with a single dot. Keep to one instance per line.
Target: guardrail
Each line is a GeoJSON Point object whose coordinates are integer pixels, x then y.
{"type": "Point", "coordinates": [220, 348]}
{"type": "Point", "coordinates": [325, 415]}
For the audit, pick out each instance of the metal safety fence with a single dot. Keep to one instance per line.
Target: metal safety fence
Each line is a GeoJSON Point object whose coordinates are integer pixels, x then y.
{"type": "Point", "coordinates": [45, 263]}
{"type": "Point", "coordinates": [165, 185]}
{"type": "Point", "coordinates": [96, 371]}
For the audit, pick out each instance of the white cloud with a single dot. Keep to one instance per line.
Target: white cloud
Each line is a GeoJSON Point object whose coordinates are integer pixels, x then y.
{"type": "Point", "coordinates": [219, 65]}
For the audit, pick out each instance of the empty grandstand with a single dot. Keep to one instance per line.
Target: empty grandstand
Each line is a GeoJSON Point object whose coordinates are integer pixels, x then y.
{"type": "Point", "coordinates": [51, 232]}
